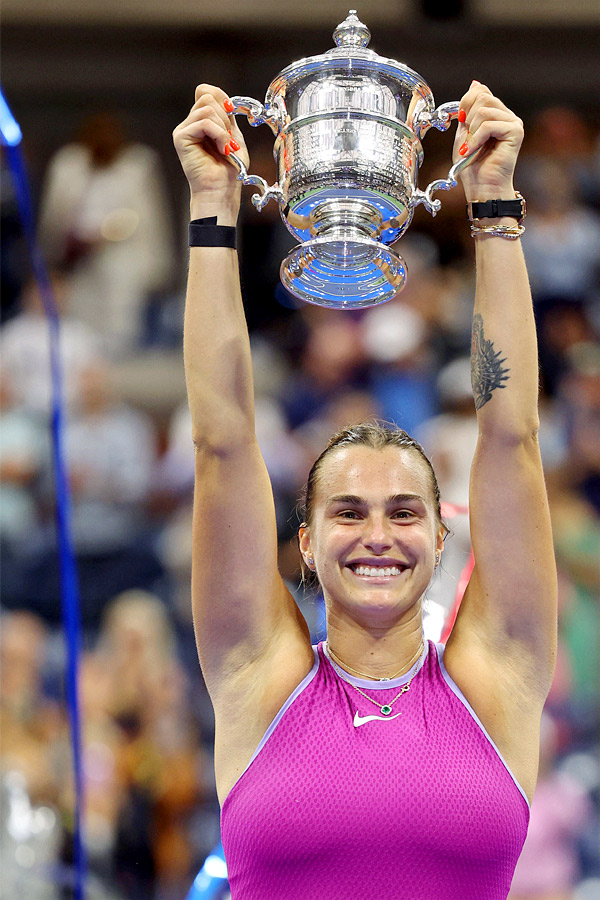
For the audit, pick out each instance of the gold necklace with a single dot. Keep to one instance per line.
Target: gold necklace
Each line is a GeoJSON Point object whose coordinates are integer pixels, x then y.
{"type": "Point", "coordinates": [387, 707]}
{"type": "Point", "coordinates": [364, 675]}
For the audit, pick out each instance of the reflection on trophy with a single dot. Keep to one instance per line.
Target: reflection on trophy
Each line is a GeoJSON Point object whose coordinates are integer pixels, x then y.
{"type": "Point", "coordinates": [348, 126]}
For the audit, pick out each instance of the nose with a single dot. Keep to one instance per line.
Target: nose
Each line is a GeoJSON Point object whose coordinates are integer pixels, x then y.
{"type": "Point", "coordinates": [377, 536]}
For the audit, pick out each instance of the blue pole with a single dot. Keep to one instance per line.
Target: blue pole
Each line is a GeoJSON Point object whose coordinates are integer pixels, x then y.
{"type": "Point", "coordinates": [11, 137]}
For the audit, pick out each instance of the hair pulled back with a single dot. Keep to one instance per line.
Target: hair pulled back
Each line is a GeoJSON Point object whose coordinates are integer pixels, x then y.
{"type": "Point", "coordinates": [376, 435]}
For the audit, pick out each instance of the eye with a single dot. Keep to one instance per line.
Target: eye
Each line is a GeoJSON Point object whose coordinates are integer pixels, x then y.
{"type": "Point", "coordinates": [403, 514]}
{"type": "Point", "coordinates": [348, 514]}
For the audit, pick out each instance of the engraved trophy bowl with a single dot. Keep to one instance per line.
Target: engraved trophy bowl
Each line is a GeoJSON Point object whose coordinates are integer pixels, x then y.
{"type": "Point", "coordinates": [348, 126]}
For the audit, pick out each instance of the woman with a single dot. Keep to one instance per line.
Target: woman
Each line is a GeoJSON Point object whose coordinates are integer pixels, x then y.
{"type": "Point", "coordinates": [376, 766]}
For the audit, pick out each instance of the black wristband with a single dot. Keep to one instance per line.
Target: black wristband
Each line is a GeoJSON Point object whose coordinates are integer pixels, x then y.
{"type": "Point", "coordinates": [206, 233]}
{"type": "Point", "coordinates": [495, 209]}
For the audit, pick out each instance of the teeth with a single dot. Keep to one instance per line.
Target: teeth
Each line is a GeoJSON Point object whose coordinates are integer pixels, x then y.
{"type": "Point", "coordinates": [373, 571]}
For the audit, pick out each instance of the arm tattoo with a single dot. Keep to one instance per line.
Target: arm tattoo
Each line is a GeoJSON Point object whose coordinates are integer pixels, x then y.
{"type": "Point", "coordinates": [487, 371]}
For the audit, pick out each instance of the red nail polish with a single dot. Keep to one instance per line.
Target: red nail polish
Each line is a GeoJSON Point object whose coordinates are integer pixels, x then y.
{"type": "Point", "coordinates": [234, 144]}
{"type": "Point", "coordinates": [227, 150]}
{"type": "Point", "coordinates": [229, 107]}
{"type": "Point", "coordinates": [462, 115]}
{"type": "Point", "coordinates": [463, 149]}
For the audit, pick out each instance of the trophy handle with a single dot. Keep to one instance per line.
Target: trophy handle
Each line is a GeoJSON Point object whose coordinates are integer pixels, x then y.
{"type": "Point", "coordinates": [440, 118]}
{"type": "Point", "coordinates": [257, 114]}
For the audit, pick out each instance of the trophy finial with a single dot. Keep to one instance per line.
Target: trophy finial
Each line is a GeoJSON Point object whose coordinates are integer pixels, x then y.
{"type": "Point", "coordinates": [351, 32]}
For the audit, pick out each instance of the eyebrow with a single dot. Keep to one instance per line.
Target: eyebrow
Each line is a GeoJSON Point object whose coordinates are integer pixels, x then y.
{"type": "Point", "coordinates": [353, 500]}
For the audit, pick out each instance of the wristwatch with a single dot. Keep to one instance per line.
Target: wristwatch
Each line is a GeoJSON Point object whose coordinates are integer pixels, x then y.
{"type": "Point", "coordinates": [495, 209]}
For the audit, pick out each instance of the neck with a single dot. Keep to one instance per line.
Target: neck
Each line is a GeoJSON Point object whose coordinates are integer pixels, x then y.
{"type": "Point", "coordinates": [376, 654]}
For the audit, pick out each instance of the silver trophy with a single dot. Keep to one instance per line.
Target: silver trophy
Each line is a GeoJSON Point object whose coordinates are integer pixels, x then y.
{"type": "Point", "coordinates": [348, 126]}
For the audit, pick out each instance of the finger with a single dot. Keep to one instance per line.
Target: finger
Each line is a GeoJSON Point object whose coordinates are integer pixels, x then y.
{"type": "Point", "coordinates": [196, 130]}
{"type": "Point", "coordinates": [475, 90]}
{"type": "Point", "coordinates": [211, 110]}
{"type": "Point", "coordinates": [498, 129]}
{"type": "Point", "coordinates": [486, 113]}
{"type": "Point", "coordinates": [208, 101]}
{"type": "Point", "coordinates": [211, 90]}
{"type": "Point", "coordinates": [477, 105]}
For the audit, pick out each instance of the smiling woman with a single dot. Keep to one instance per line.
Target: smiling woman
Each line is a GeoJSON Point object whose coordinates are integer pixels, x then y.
{"type": "Point", "coordinates": [375, 764]}
{"type": "Point", "coordinates": [374, 436]}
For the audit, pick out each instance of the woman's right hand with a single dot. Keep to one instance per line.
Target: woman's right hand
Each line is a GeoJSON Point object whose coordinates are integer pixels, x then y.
{"type": "Point", "coordinates": [203, 141]}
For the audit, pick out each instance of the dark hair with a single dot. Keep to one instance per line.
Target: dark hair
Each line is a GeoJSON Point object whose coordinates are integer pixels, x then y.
{"type": "Point", "coordinates": [376, 435]}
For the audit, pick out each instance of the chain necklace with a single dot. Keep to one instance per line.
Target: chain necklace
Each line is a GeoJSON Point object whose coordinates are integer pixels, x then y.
{"type": "Point", "coordinates": [387, 707]}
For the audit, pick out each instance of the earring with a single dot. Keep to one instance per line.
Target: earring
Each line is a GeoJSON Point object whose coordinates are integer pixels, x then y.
{"type": "Point", "coordinates": [311, 561]}
{"type": "Point", "coordinates": [437, 558]}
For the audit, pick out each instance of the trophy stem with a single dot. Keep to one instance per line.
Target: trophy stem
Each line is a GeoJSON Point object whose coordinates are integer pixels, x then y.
{"type": "Point", "coordinates": [355, 215]}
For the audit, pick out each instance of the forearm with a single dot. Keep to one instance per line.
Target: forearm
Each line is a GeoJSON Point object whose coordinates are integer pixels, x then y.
{"type": "Point", "coordinates": [217, 361]}
{"type": "Point", "coordinates": [504, 362]}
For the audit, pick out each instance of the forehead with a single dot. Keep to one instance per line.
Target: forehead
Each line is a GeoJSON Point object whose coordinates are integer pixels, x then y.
{"type": "Point", "coordinates": [370, 473]}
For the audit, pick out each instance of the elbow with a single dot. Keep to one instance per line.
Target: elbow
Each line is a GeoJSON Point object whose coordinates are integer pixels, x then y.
{"type": "Point", "coordinates": [224, 436]}
{"type": "Point", "coordinates": [511, 432]}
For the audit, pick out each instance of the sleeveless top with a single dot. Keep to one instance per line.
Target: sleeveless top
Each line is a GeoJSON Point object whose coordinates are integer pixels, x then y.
{"type": "Point", "coordinates": [334, 805]}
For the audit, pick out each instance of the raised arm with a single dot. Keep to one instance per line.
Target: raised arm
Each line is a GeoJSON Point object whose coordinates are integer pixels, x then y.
{"type": "Point", "coordinates": [240, 603]}
{"type": "Point", "coordinates": [509, 609]}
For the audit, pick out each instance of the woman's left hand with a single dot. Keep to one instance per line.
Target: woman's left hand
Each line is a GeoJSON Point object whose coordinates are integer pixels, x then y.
{"type": "Point", "coordinates": [489, 124]}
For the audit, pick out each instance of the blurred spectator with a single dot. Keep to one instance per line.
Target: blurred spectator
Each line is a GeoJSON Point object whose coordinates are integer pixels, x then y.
{"type": "Point", "coordinates": [576, 531]}
{"type": "Point", "coordinates": [160, 761]}
{"type": "Point", "coordinates": [331, 361]}
{"type": "Point", "coordinates": [580, 398]}
{"type": "Point", "coordinates": [31, 721]}
{"type": "Point", "coordinates": [32, 725]}
{"type": "Point", "coordinates": [104, 216]}
{"type": "Point", "coordinates": [561, 325]}
{"type": "Point", "coordinates": [25, 349]}
{"type": "Point", "coordinates": [104, 788]}
{"type": "Point", "coordinates": [562, 134]}
{"type": "Point", "coordinates": [548, 868]}
{"type": "Point", "coordinates": [406, 340]}
{"type": "Point", "coordinates": [450, 439]}
{"type": "Point", "coordinates": [24, 453]}
{"type": "Point", "coordinates": [111, 450]}
{"type": "Point", "coordinates": [562, 239]}
{"type": "Point", "coordinates": [393, 338]}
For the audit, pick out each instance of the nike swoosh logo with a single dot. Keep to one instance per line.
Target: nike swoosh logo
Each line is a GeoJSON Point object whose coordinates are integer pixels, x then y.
{"type": "Point", "coordinates": [362, 720]}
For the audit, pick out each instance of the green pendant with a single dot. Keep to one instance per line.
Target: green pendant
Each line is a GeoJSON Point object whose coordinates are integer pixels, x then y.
{"type": "Point", "coordinates": [386, 710]}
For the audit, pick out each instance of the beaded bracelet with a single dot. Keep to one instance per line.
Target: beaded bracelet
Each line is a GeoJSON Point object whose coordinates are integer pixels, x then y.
{"type": "Point", "coordinates": [510, 232]}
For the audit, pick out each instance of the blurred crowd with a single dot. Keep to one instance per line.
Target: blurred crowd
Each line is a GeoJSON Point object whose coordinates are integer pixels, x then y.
{"type": "Point", "coordinates": [112, 238]}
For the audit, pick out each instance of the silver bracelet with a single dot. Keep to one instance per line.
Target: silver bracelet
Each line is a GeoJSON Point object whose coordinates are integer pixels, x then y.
{"type": "Point", "coordinates": [510, 232]}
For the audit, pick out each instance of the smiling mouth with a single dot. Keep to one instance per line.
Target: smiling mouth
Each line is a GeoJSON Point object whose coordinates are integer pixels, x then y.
{"type": "Point", "coordinates": [377, 571]}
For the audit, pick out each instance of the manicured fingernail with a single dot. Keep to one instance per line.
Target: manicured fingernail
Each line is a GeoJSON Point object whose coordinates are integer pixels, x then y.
{"type": "Point", "coordinates": [234, 144]}
{"type": "Point", "coordinates": [463, 149]}
{"type": "Point", "coordinates": [229, 107]}
{"type": "Point", "coordinates": [461, 115]}
{"type": "Point", "coordinates": [227, 150]}
{"type": "Point", "coordinates": [475, 82]}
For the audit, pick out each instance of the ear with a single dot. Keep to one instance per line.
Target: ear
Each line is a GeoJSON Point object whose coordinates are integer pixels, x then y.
{"type": "Point", "coordinates": [304, 543]}
{"type": "Point", "coordinates": [439, 544]}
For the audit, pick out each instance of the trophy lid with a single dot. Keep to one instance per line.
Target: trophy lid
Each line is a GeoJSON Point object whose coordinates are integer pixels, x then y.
{"type": "Point", "coordinates": [350, 54]}
{"type": "Point", "coordinates": [351, 32]}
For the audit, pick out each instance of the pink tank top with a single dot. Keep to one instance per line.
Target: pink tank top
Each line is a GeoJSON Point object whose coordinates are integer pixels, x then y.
{"type": "Point", "coordinates": [340, 806]}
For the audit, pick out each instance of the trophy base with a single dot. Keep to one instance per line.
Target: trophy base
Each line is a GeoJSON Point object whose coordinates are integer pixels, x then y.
{"type": "Point", "coordinates": [343, 270]}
